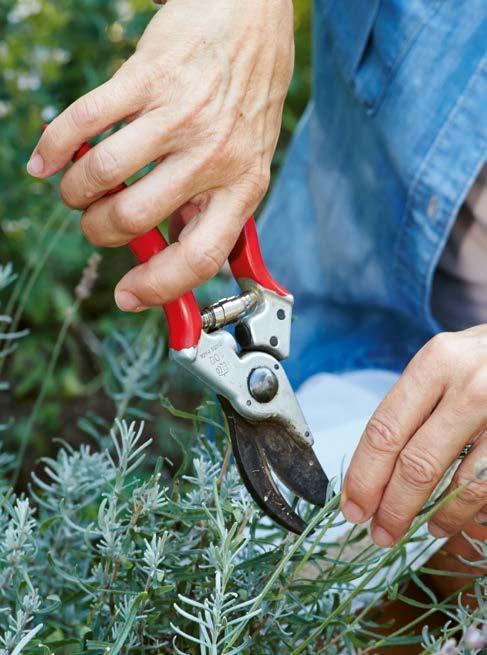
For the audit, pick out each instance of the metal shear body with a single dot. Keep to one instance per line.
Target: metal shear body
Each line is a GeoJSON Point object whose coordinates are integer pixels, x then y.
{"type": "Point", "coordinates": [269, 434]}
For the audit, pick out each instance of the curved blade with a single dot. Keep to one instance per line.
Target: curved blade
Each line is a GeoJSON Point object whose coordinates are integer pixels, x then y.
{"type": "Point", "coordinates": [296, 466]}
{"type": "Point", "coordinates": [254, 469]}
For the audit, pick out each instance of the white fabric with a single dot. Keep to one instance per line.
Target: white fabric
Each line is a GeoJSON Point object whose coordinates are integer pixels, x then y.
{"type": "Point", "coordinates": [337, 408]}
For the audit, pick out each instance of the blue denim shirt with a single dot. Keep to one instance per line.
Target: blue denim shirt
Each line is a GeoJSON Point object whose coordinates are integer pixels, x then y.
{"type": "Point", "coordinates": [383, 158]}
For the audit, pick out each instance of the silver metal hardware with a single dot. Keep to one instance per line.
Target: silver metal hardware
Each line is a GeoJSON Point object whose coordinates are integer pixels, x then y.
{"type": "Point", "coordinates": [263, 384]}
{"type": "Point", "coordinates": [268, 327]}
{"type": "Point", "coordinates": [265, 327]}
{"type": "Point", "coordinates": [229, 310]}
{"type": "Point", "coordinates": [217, 362]}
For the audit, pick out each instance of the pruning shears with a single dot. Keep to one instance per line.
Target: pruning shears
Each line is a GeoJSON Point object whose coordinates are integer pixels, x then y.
{"type": "Point", "coordinates": [270, 437]}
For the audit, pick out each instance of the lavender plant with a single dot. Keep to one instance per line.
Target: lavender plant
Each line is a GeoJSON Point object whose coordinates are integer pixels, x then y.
{"type": "Point", "coordinates": [8, 337]}
{"type": "Point", "coordinates": [106, 554]}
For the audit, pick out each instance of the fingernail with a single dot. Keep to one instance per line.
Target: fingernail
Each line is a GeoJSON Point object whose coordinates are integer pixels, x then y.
{"type": "Point", "coordinates": [436, 531]}
{"type": "Point", "coordinates": [481, 517]}
{"type": "Point", "coordinates": [382, 538]}
{"type": "Point", "coordinates": [35, 165]}
{"type": "Point", "coordinates": [127, 302]}
{"type": "Point", "coordinates": [352, 512]}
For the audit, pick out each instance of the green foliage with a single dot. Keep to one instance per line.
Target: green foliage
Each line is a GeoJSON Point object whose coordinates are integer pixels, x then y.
{"type": "Point", "coordinates": [114, 560]}
{"type": "Point", "coordinates": [52, 52]}
{"type": "Point", "coordinates": [111, 549]}
{"type": "Point", "coordinates": [107, 553]}
{"type": "Point", "coordinates": [300, 89]}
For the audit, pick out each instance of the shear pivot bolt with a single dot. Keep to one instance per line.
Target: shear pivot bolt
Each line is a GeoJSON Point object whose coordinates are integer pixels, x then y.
{"type": "Point", "coordinates": [263, 384]}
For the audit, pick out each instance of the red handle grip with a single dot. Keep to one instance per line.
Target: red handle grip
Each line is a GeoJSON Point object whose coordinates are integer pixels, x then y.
{"type": "Point", "coordinates": [246, 260]}
{"type": "Point", "coordinates": [183, 315]}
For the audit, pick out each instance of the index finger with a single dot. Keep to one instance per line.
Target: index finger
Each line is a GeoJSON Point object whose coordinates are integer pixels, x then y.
{"type": "Point", "coordinates": [409, 403]}
{"type": "Point", "coordinates": [86, 117]}
{"type": "Point", "coordinates": [200, 252]}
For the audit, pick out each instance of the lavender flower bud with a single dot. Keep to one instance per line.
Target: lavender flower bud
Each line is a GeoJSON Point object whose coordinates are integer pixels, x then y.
{"type": "Point", "coordinates": [449, 648]}
{"type": "Point", "coordinates": [474, 638]}
{"type": "Point", "coordinates": [88, 277]}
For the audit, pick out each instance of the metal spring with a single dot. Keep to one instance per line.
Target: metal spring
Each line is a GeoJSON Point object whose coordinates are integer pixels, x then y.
{"type": "Point", "coordinates": [228, 310]}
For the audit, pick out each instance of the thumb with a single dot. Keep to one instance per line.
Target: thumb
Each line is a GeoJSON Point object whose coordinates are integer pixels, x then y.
{"type": "Point", "coordinates": [200, 252]}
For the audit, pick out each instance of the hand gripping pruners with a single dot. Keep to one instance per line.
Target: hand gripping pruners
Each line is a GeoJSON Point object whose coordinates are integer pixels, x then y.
{"type": "Point", "coordinates": [269, 434]}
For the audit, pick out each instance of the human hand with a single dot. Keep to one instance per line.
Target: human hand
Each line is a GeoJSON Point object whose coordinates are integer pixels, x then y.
{"type": "Point", "coordinates": [203, 95]}
{"type": "Point", "coordinates": [438, 406]}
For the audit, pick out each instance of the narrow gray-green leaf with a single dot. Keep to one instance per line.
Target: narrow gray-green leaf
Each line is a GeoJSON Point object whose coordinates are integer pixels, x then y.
{"type": "Point", "coordinates": [122, 637]}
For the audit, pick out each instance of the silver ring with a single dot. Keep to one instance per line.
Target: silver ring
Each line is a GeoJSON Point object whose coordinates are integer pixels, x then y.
{"type": "Point", "coordinates": [465, 451]}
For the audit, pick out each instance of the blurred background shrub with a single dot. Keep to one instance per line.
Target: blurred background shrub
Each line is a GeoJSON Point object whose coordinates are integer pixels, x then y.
{"type": "Point", "coordinates": [52, 52]}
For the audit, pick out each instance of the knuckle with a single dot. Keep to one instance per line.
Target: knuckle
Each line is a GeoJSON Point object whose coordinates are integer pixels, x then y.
{"type": "Point", "coordinates": [67, 196]}
{"type": "Point", "coordinates": [382, 435]}
{"type": "Point", "coordinates": [258, 183]}
{"type": "Point", "coordinates": [218, 156]}
{"type": "Point", "coordinates": [102, 167]}
{"type": "Point", "coordinates": [419, 468]}
{"type": "Point", "coordinates": [445, 520]}
{"type": "Point", "coordinates": [452, 516]}
{"type": "Point", "coordinates": [358, 485]}
{"type": "Point", "coordinates": [150, 286]}
{"type": "Point", "coordinates": [476, 389]}
{"type": "Point", "coordinates": [86, 111]}
{"type": "Point", "coordinates": [90, 232]}
{"type": "Point", "coordinates": [392, 519]}
{"type": "Point", "coordinates": [209, 164]}
{"type": "Point", "coordinates": [474, 491]}
{"type": "Point", "coordinates": [441, 348]}
{"type": "Point", "coordinates": [150, 79]}
{"type": "Point", "coordinates": [48, 143]}
{"type": "Point", "coordinates": [204, 260]}
{"type": "Point", "coordinates": [128, 216]}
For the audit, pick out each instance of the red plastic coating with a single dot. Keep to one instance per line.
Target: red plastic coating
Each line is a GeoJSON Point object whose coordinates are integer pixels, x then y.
{"type": "Point", "coordinates": [183, 315]}
{"type": "Point", "coordinates": [246, 260]}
